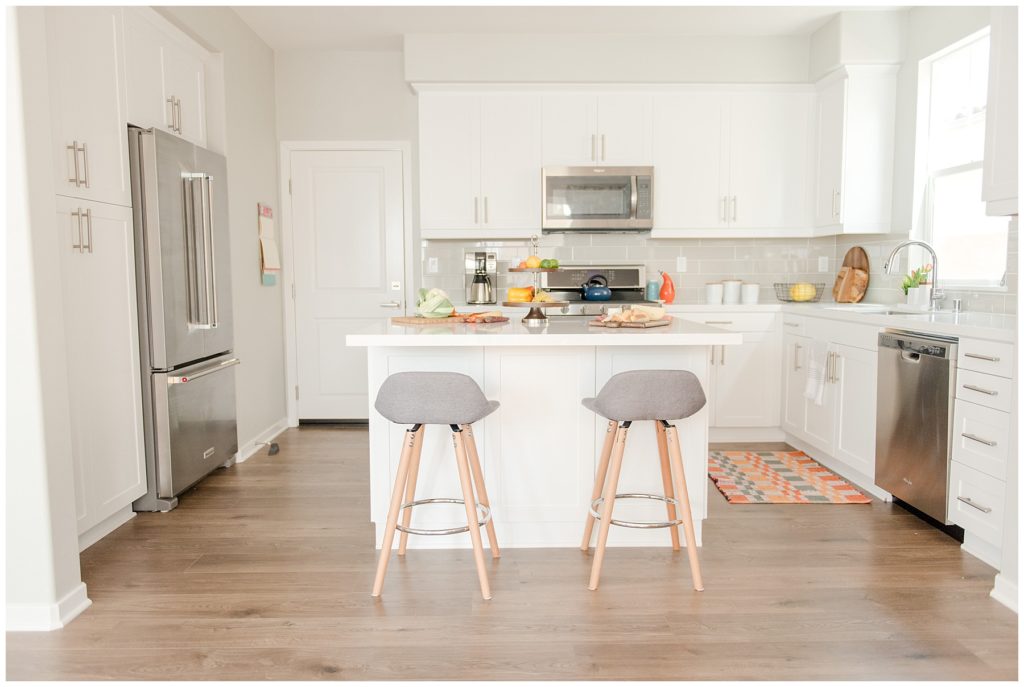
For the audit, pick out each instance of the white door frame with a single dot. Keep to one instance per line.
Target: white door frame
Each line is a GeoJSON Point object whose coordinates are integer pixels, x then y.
{"type": "Point", "coordinates": [287, 253]}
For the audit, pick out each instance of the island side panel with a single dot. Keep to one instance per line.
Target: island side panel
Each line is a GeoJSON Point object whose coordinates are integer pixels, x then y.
{"type": "Point", "coordinates": [541, 452]}
{"type": "Point", "coordinates": [641, 469]}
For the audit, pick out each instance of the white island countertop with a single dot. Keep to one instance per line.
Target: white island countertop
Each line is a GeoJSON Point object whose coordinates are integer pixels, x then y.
{"type": "Point", "coordinates": [558, 332]}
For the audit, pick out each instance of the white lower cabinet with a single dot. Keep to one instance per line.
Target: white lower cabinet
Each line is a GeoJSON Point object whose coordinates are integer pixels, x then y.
{"type": "Point", "coordinates": [102, 343]}
{"type": "Point", "coordinates": [743, 385]}
{"type": "Point", "coordinates": [976, 503]}
{"type": "Point", "coordinates": [843, 425]}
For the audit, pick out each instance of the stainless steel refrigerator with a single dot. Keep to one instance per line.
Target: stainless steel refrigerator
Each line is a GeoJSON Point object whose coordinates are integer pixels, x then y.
{"type": "Point", "coordinates": [183, 272]}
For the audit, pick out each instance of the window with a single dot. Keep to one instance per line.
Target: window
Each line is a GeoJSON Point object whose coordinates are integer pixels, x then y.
{"type": "Point", "coordinates": [971, 246]}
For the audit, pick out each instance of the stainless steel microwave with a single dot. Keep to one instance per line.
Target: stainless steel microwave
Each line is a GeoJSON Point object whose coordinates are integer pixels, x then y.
{"type": "Point", "coordinates": [597, 199]}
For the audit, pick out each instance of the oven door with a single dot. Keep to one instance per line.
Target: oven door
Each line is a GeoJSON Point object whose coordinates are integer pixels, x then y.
{"type": "Point", "coordinates": [597, 198]}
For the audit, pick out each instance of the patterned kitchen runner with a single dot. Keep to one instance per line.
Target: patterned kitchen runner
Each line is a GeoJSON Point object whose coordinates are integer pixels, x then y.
{"type": "Point", "coordinates": [778, 477]}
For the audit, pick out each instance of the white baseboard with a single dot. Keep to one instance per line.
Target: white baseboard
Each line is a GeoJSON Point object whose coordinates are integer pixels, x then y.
{"type": "Point", "coordinates": [981, 549]}
{"type": "Point", "coordinates": [1005, 592]}
{"type": "Point", "coordinates": [249, 448]}
{"type": "Point", "coordinates": [47, 617]}
{"type": "Point", "coordinates": [858, 478]}
{"type": "Point", "coordinates": [730, 435]}
{"type": "Point", "coordinates": [102, 529]}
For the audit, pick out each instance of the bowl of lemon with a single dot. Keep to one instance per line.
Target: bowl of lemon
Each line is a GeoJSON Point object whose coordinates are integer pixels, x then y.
{"type": "Point", "coordinates": [798, 292]}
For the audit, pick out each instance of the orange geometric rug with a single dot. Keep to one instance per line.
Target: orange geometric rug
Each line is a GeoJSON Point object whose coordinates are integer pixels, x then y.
{"type": "Point", "coordinates": [778, 477]}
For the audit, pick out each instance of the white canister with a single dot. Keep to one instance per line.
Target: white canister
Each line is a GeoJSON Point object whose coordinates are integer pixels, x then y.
{"type": "Point", "coordinates": [750, 293]}
{"type": "Point", "coordinates": [713, 293]}
{"type": "Point", "coordinates": [731, 291]}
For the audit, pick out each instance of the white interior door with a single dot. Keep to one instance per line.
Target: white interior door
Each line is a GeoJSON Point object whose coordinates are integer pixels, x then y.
{"type": "Point", "coordinates": [347, 226]}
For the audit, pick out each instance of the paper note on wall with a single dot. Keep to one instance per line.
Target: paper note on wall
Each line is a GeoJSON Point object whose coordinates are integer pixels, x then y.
{"type": "Point", "coordinates": [270, 257]}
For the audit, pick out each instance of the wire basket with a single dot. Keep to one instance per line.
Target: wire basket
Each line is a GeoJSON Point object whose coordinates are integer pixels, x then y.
{"type": "Point", "coordinates": [782, 292]}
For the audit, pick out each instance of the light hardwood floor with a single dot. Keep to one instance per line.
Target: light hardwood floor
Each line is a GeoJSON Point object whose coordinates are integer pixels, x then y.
{"type": "Point", "coordinates": [265, 569]}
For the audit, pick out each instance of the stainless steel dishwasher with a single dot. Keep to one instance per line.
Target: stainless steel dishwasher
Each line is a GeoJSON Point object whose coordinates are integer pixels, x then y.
{"type": "Point", "coordinates": [916, 384]}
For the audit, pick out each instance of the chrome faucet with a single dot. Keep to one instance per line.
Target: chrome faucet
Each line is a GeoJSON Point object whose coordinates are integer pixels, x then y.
{"type": "Point", "coordinates": [890, 267]}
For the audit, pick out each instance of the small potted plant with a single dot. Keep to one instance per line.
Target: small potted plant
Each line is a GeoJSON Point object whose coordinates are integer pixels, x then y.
{"type": "Point", "coordinates": [917, 287]}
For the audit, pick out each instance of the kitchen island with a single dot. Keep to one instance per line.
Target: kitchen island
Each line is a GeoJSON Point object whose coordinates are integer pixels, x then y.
{"type": "Point", "coordinates": [539, 450]}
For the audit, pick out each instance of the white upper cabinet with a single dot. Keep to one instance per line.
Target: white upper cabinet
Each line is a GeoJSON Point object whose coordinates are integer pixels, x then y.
{"type": "Point", "coordinates": [166, 77]}
{"type": "Point", "coordinates": [689, 184]}
{"type": "Point", "coordinates": [86, 65]}
{"type": "Point", "coordinates": [510, 152]}
{"type": "Point", "coordinates": [732, 160]}
{"type": "Point", "coordinates": [769, 160]}
{"type": "Point", "coordinates": [480, 162]}
{"type": "Point", "coordinates": [588, 129]}
{"type": "Point", "coordinates": [999, 180]}
{"type": "Point", "coordinates": [856, 123]}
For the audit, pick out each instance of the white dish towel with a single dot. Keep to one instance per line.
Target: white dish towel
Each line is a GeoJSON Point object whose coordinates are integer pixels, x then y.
{"type": "Point", "coordinates": [816, 363]}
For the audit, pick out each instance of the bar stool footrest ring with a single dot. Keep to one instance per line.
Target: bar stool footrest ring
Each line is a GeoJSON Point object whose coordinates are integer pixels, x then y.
{"type": "Point", "coordinates": [598, 502]}
{"type": "Point", "coordinates": [484, 511]}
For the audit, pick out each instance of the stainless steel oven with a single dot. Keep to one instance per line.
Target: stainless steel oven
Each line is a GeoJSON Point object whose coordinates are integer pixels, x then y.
{"type": "Point", "coordinates": [596, 199]}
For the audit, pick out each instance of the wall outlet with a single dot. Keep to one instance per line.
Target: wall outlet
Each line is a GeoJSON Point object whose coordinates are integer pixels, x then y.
{"type": "Point", "coordinates": [823, 263]}
{"type": "Point", "coordinates": [680, 264]}
{"type": "Point", "coordinates": [432, 267]}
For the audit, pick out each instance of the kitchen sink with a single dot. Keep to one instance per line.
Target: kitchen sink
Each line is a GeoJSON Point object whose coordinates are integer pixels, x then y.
{"type": "Point", "coordinates": [875, 309]}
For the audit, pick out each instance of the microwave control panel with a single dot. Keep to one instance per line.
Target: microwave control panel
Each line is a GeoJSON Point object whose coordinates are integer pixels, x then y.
{"type": "Point", "coordinates": [643, 197]}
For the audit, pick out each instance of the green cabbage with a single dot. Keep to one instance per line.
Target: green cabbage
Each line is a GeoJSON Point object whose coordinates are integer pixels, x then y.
{"type": "Point", "coordinates": [434, 303]}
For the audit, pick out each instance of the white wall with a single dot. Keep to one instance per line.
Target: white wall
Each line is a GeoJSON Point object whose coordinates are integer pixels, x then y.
{"type": "Point", "coordinates": [250, 143]}
{"type": "Point", "coordinates": [44, 586]}
{"type": "Point", "coordinates": [611, 58]}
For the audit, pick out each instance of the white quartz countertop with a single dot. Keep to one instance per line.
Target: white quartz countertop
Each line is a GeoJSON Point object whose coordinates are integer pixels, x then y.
{"type": "Point", "coordinates": [558, 332]}
{"type": "Point", "coordinates": [979, 325]}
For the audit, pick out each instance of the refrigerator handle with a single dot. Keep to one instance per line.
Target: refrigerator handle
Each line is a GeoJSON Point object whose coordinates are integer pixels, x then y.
{"type": "Point", "coordinates": [211, 260]}
{"type": "Point", "coordinates": [191, 252]}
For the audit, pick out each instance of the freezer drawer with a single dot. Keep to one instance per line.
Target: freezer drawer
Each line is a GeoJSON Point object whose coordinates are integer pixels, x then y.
{"type": "Point", "coordinates": [196, 431]}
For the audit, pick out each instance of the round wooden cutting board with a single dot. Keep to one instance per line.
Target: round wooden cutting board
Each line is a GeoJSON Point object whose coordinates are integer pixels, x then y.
{"type": "Point", "coordinates": [852, 280]}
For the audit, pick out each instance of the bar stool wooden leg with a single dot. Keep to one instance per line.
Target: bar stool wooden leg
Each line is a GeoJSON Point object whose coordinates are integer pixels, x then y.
{"type": "Point", "coordinates": [666, 482]}
{"type": "Point", "coordinates": [599, 478]}
{"type": "Point", "coordinates": [472, 515]}
{"type": "Point", "coordinates": [611, 484]}
{"type": "Point", "coordinates": [410, 488]}
{"type": "Point", "coordinates": [672, 435]}
{"type": "Point", "coordinates": [481, 489]}
{"type": "Point", "coordinates": [396, 502]}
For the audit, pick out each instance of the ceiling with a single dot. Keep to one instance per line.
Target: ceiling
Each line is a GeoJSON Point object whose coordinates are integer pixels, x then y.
{"type": "Point", "coordinates": [381, 28]}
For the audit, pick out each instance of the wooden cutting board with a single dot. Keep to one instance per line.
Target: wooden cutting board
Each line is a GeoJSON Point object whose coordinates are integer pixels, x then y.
{"type": "Point", "coordinates": [631, 325]}
{"type": "Point", "coordinates": [424, 321]}
{"type": "Point", "coordinates": [852, 280]}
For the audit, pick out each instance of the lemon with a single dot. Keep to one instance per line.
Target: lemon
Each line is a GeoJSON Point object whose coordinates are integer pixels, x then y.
{"type": "Point", "coordinates": [802, 292]}
{"type": "Point", "coordinates": [533, 262]}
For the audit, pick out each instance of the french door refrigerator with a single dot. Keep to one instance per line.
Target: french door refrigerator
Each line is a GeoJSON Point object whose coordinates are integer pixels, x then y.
{"type": "Point", "coordinates": [183, 273]}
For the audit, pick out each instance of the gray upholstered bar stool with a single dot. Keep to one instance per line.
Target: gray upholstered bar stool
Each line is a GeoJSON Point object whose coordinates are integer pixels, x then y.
{"type": "Point", "coordinates": [436, 398]}
{"type": "Point", "coordinates": [628, 397]}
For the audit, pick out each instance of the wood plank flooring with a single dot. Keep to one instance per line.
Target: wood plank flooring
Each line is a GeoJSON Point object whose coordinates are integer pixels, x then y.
{"type": "Point", "coordinates": [264, 572]}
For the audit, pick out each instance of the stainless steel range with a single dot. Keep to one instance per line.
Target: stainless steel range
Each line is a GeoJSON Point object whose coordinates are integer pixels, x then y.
{"type": "Point", "coordinates": [625, 281]}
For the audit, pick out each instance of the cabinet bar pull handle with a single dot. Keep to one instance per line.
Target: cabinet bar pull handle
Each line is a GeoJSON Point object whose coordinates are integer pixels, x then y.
{"type": "Point", "coordinates": [839, 203]}
{"type": "Point", "coordinates": [85, 164]}
{"type": "Point", "coordinates": [76, 180]}
{"type": "Point", "coordinates": [476, 209]}
{"type": "Point", "coordinates": [178, 107]}
{"type": "Point", "coordinates": [603, 156]}
{"type": "Point", "coordinates": [972, 437]}
{"type": "Point", "coordinates": [988, 392]}
{"type": "Point", "coordinates": [972, 504]}
{"type": "Point", "coordinates": [486, 213]}
{"type": "Point", "coordinates": [391, 304]}
{"type": "Point", "coordinates": [88, 229]}
{"type": "Point", "coordinates": [721, 357]}
{"type": "Point", "coordinates": [713, 354]}
{"type": "Point", "coordinates": [734, 208]}
{"type": "Point", "coordinates": [791, 324]}
{"type": "Point", "coordinates": [717, 321]}
{"type": "Point", "coordinates": [593, 147]}
{"type": "Point", "coordinates": [77, 215]}
{"type": "Point", "coordinates": [170, 101]}
{"type": "Point", "coordinates": [796, 357]}
{"type": "Point", "coordinates": [979, 356]}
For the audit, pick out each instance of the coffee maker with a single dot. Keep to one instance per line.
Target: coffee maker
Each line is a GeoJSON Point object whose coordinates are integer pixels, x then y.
{"type": "Point", "coordinates": [481, 277]}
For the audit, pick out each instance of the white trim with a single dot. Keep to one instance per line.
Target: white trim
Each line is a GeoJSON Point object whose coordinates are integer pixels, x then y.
{"type": "Point", "coordinates": [46, 617]}
{"type": "Point", "coordinates": [251, 447]}
{"type": "Point", "coordinates": [104, 527]}
{"type": "Point", "coordinates": [732, 435]}
{"type": "Point", "coordinates": [981, 549]}
{"type": "Point", "coordinates": [287, 257]}
{"type": "Point", "coordinates": [1005, 592]}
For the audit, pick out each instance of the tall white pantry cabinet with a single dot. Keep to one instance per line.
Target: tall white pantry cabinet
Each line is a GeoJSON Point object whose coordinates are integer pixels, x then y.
{"type": "Point", "coordinates": [90, 60]}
